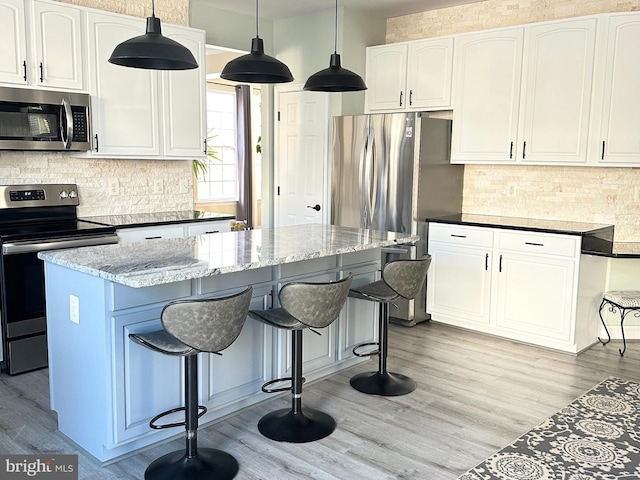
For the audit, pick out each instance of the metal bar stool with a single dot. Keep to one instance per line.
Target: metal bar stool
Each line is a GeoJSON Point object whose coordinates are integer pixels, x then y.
{"type": "Point", "coordinates": [400, 278]}
{"type": "Point", "coordinates": [191, 327]}
{"type": "Point", "coordinates": [303, 305]}
{"type": "Point", "coordinates": [624, 301]}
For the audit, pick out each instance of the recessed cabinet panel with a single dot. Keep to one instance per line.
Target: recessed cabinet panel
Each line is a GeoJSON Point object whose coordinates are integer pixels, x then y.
{"type": "Point", "coordinates": [124, 100]}
{"type": "Point", "coordinates": [619, 140]}
{"type": "Point", "coordinates": [558, 79]}
{"type": "Point", "coordinates": [429, 71]}
{"type": "Point", "coordinates": [13, 44]}
{"type": "Point", "coordinates": [58, 46]}
{"type": "Point", "coordinates": [486, 96]}
{"type": "Point", "coordinates": [386, 77]}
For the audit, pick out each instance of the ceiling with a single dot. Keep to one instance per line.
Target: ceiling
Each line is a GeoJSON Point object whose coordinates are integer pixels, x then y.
{"type": "Point", "coordinates": [278, 9]}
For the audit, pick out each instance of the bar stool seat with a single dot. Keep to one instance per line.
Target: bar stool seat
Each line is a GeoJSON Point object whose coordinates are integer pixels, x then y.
{"type": "Point", "coordinates": [191, 327]}
{"type": "Point", "coordinates": [303, 305]}
{"type": "Point", "coordinates": [624, 302]}
{"type": "Point", "coordinates": [400, 278]}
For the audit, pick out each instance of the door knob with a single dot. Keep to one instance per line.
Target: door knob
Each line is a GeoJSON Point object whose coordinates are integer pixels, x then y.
{"type": "Point", "coordinates": [316, 207]}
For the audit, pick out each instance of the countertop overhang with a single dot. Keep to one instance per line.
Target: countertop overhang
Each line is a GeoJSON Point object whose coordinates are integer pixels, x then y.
{"type": "Point", "coordinates": [131, 220]}
{"type": "Point", "coordinates": [161, 261]}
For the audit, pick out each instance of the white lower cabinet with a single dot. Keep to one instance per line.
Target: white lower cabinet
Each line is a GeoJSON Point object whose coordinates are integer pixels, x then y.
{"type": "Point", "coordinates": [188, 229]}
{"type": "Point", "coordinates": [523, 285]}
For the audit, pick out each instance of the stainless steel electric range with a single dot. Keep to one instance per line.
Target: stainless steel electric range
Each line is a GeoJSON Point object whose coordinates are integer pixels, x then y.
{"type": "Point", "coordinates": [34, 218]}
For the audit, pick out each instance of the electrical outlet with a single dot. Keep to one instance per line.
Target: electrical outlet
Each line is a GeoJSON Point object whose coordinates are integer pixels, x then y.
{"type": "Point", "coordinates": [74, 309]}
{"type": "Point", "coordinates": [158, 186]}
{"type": "Point", "coordinates": [511, 190]}
{"type": "Point", "coordinates": [114, 186]}
{"type": "Point", "coordinates": [184, 185]}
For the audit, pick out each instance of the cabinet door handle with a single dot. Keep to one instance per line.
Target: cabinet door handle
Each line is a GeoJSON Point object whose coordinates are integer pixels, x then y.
{"type": "Point", "coordinates": [602, 158]}
{"type": "Point", "coordinates": [534, 244]}
{"type": "Point", "coordinates": [524, 148]}
{"type": "Point", "coordinates": [410, 97]}
{"type": "Point", "coordinates": [41, 73]}
{"type": "Point", "coordinates": [511, 150]}
{"type": "Point", "coordinates": [205, 145]}
{"type": "Point", "coordinates": [24, 70]}
{"type": "Point", "coordinates": [97, 144]}
{"type": "Point", "coordinates": [400, 97]}
{"type": "Point", "coordinates": [500, 265]}
{"type": "Point", "coordinates": [486, 261]}
{"type": "Point", "coordinates": [459, 236]}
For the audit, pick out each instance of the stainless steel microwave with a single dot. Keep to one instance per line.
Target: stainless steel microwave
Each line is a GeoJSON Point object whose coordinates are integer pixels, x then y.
{"type": "Point", "coordinates": [44, 120]}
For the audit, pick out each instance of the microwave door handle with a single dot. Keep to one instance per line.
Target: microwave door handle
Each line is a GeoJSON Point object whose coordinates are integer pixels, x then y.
{"type": "Point", "coordinates": [66, 132]}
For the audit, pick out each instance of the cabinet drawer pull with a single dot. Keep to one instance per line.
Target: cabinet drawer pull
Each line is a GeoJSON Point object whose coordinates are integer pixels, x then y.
{"type": "Point", "coordinates": [213, 231]}
{"type": "Point", "coordinates": [152, 238]}
{"type": "Point", "coordinates": [459, 236]}
{"type": "Point", "coordinates": [486, 261]}
{"type": "Point", "coordinates": [534, 244]}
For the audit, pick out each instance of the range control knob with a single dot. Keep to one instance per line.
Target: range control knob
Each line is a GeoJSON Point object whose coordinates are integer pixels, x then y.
{"type": "Point", "coordinates": [63, 194]}
{"type": "Point", "coordinates": [72, 194]}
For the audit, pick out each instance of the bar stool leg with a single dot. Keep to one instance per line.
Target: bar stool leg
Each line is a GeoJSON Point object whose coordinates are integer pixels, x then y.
{"type": "Point", "coordinates": [295, 425]}
{"type": "Point", "coordinates": [604, 342]}
{"type": "Point", "coordinates": [194, 463]}
{"type": "Point", "coordinates": [383, 382]}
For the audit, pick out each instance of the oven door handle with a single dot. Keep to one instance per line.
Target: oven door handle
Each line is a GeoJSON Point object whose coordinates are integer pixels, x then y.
{"type": "Point", "coordinates": [14, 248]}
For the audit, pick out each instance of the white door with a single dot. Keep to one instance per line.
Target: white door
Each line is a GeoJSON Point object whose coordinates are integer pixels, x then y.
{"type": "Point", "coordinates": [301, 160]}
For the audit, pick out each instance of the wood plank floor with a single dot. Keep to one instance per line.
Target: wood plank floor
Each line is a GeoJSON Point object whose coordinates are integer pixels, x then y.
{"type": "Point", "coordinates": [475, 394]}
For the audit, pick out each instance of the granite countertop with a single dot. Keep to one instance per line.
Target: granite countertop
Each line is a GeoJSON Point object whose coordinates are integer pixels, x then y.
{"type": "Point", "coordinates": [130, 220]}
{"type": "Point", "coordinates": [597, 238]}
{"type": "Point", "coordinates": [155, 262]}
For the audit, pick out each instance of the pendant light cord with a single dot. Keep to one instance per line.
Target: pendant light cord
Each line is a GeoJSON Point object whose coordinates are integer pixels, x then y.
{"type": "Point", "coordinates": [153, 8]}
{"type": "Point", "coordinates": [257, 22]}
{"type": "Point", "coordinates": [335, 35]}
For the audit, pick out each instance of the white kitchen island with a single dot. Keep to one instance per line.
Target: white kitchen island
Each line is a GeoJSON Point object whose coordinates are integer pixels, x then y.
{"type": "Point", "coordinates": [105, 388]}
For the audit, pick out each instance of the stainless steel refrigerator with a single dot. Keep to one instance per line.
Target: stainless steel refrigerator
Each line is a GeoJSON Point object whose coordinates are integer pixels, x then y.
{"type": "Point", "coordinates": [391, 172]}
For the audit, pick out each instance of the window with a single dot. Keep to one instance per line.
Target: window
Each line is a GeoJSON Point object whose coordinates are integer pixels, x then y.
{"type": "Point", "coordinates": [220, 181]}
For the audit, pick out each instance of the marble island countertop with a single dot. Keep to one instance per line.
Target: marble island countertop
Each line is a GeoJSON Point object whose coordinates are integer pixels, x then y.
{"type": "Point", "coordinates": [129, 220]}
{"type": "Point", "coordinates": [155, 262]}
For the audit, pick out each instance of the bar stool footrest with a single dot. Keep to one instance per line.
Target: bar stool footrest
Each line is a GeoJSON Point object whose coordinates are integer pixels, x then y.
{"type": "Point", "coordinates": [201, 411]}
{"type": "Point", "coordinates": [384, 384]}
{"type": "Point", "coordinates": [266, 386]}
{"type": "Point", "coordinates": [366, 354]}
{"type": "Point", "coordinates": [207, 464]}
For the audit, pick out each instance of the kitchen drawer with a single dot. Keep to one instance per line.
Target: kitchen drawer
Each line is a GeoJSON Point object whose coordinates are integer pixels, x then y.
{"type": "Point", "coordinates": [543, 243]}
{"type": "Point", "coordinates": [139, 234]}
{"type": "Point", "coordinates": [461, 235]}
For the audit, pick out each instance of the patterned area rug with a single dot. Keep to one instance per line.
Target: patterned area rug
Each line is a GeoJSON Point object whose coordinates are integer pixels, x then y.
{"type": "Point", "coordinates": [595, 437]}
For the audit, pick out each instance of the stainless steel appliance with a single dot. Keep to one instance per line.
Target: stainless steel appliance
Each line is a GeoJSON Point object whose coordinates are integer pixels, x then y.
{"type": "Point", "coordinates": [34, 218]}
{"type": "Point", "coordinates": [44, 120]}
{"type": "Point", "coordinates": [392, 172]}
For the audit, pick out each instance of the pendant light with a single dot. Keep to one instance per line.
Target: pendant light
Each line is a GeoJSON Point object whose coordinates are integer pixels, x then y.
{"type": "Point", "coordinates": [256, 67]}
{"type": "Point", "coordinates": [335, 78]}
{"type": "Point", "coordinates": [152, 50]}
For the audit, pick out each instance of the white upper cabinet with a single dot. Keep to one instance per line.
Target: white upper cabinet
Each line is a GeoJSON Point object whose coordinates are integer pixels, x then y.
{"type": "Point", "coordinates": [13, 42]}
{"type": "Point", "coordinates": [124, 100]}
{"type": "Point", "coordinates": [557, 86]}
{"type": "Point", "coordinates": [486, 98]}
{"type": "Point", "coordinates": [410, 76]}
{"type": "Point", "coordinates": [616, 137]}
{"type": "Point", "coordinates": [58, 45]}
{"type": "Point", "coordinates": [144, 113]}
{"type": "Point", "coordinates": [525, 101]}
{"type": "Point", "coordinates": [46, 52]}
{"type": "Point", "coordinates": [184, 119]}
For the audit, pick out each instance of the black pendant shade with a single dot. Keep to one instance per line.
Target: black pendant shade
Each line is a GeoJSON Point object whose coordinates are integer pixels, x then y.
{"type": "Point", "coordinates": [335, 78]}
{"type": "Point", "coordinates": [153, 51]}
{"type": "Point", "coordinates": [256, 67]}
